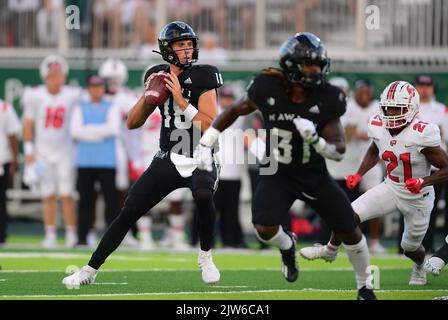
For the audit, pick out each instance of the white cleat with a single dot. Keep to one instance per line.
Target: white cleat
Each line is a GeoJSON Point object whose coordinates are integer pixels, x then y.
{"type": "Point", "coordinates": [91, 239]}
{"type": "Point", "coordinates": [418, 276]}
{"type": "Point", "coordinates": [50, 243]}
{"type": "Point", "coordinates": [434, 265]}
{"type": "Point", "coordinates": [70, 240]}
{"type": "Point", "coordinates": [147, 245]}
{"type": "Point", "coordinates": [318, 251]}
{"type": "Point", "coordinates": [210, 274]}
{"type": "Point", "coordinates": [377, 248]}
{"type": "Point", "coordinates": [81, 277]}
{"type": "Point", "coordinates": [130, 241]}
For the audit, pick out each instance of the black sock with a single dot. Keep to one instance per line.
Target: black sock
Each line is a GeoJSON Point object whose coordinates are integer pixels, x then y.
{"type": "Point", "coordinates": [206, 217]}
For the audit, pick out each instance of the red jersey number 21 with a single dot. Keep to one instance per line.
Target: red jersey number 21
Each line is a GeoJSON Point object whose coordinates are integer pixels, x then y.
{"type": "Point", "coordinates": [405, 158]}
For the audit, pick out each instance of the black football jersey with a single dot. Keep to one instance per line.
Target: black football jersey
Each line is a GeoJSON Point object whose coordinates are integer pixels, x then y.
{"type": "Point", "coordinates": [295, 158]}
{"type": "Point", "coordinates": [177, 133]}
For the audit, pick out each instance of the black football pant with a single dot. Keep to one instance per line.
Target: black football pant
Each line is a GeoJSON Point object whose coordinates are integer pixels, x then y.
{"type": "Point", "coordinates": [155, 184]}
{"type": "Point", "coordinates": [87, 198]}
{"type": "Point", "coordinates": [274, 196]}
{"type": "Point", "coordinates": [4, 180]}
{"type": "Point", "coordinates": [324, 234]}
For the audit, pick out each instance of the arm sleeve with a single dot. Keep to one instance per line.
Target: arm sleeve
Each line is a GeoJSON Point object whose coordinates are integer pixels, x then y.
{"type": "Point", "coordinates": [430, 137]}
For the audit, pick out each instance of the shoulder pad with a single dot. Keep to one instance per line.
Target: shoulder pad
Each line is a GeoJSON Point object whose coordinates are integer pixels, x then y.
{"type": "Point", "coordinates": [153, 69]}
{"type": "Point", "coordinates": [206, 76]}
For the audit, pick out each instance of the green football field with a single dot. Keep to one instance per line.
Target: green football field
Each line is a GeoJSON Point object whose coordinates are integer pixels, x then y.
{"type": "Point", "coordinates": [28, 272]}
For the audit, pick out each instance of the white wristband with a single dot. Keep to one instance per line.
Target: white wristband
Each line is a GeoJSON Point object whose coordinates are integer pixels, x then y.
{"type": "Point", "coordinates": [327, 150]}
{"type": "Point", "coordinates": [210, 136]}
{"type": "Point", "coordinates": [28, 148]}
{"type": "Point", "coordinates": [190, 112]}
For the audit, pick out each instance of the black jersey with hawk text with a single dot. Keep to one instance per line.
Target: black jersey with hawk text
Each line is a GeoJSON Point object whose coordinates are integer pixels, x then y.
{"type": "Point", "coordinates": [177, 133]}
{"type": "Point", "coordinates": [296, 159]}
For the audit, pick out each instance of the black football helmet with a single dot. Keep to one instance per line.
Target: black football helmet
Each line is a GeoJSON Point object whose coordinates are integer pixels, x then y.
{"type": "Point", "coordinates": [303, 48]}
{"type": "Point", "coordinates": [175, 31]}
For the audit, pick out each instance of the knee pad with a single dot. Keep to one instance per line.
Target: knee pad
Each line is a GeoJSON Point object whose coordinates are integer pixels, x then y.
{"type": "Point", "coordinates": [408, 246]}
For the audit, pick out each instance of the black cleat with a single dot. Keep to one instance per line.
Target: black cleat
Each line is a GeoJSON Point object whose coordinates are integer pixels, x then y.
{"type": "Point", "coordinates": [366, 294]}
{"type": "Point", "coordinates": [290, 268]}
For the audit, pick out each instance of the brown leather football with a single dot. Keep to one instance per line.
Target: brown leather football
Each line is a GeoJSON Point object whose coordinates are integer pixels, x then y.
{"type": "Point", "coordinates": [156, 93]}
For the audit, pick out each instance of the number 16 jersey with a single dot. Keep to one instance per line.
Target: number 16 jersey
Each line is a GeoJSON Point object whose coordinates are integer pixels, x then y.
{"type": "Point", "coordinates": [402, 153]}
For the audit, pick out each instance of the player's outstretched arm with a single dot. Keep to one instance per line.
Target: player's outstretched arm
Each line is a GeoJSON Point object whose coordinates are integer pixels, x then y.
{"type": "Point", "coordinates": [240, 107]}
{"type": "Point", "coordinates": [139, 113]}
{"type": "Point", "coordinates": [370, 159]}
{"type": "Point", "coordinates": [439, 159]}
{"type": "Point", "coordinates": [203, 152]}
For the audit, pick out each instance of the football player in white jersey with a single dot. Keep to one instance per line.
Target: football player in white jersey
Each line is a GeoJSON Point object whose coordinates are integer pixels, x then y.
{"type": "Point", "coordinates": [48, 146]}
{"type": "Point", "coordinates": [434, 112]}
{"type": "Point", "coordinates": [115, 73]}
{"type": "Point", "coordinates": [409, 147]}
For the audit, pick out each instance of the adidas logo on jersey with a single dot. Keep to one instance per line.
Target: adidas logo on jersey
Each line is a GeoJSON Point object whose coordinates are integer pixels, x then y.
{"type": "Point", "coordinates": [188, 81]}
{"type": "Point", "coordinates": [314, 109]}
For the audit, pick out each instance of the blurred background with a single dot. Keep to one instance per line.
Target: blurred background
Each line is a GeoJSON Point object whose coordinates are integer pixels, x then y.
{"type": "Point", "coordinates": [376, 41]}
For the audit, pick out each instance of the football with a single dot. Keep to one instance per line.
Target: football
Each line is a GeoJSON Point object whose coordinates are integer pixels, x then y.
{"type": "Point", "coordinates": [156, 93]}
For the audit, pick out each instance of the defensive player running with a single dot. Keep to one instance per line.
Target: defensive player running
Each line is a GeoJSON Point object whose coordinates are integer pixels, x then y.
{"type": "Point", "coordinates": [435, 264]}
{"type": "Point", "coordinates": [409, 147]}
{"type": "Point", "coordinates": [302, 110]}
{"type": "Point", "coordinates": [191, 108]}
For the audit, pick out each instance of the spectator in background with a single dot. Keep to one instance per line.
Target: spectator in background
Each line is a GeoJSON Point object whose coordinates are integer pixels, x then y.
{"type": "Point", "coordinates": [211, 53]}
{"type": "Point", "coordinates": [241, 17]}
{"type": "Point", "coordinates": [9, 147]}
{"type": "Point", "coordinates": [227, 196]}
{"type": "Point", "coordinates": [50, 23]}
{"type": "Point", "coordinates": [149, 44]}
{"type": "Point", "coordinates": [95, 126]}
{"type": "Point", "coordinates": [434, 112]}
{"type": "Point", "coordinates": [136, 15]}
{"type": "Point", "coordinates": [107, 22]}
{"type": "Point", "coordinates": [188, 11]}
{"type": "Point", "coordinates": [23, 21]}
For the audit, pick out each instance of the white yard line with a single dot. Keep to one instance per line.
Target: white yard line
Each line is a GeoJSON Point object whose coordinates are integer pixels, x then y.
{"type": "Point", "coordinates": [194, 270]}
{"type": "Point", "coordinates": [110, 283]}
{"type": "Point", "coordinates": [58, 255]}
{"type": "Point", "coordinates": [202, 292]}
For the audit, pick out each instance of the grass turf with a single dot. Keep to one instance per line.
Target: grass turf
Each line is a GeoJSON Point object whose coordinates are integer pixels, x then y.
{"type": "Point", "coordinates": [37, 274]}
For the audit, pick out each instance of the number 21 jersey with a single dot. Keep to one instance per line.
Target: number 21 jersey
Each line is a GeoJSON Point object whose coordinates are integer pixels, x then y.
{"type": "Point", "coordinates": [402, 153]}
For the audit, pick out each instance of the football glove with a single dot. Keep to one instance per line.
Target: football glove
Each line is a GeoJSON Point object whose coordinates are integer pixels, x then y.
{"type": "Point", "coordinates": [307, 130]}
{"type": "Point", "coordinates": [203, 157]}
{"type": "Point", "coordinates": [414, 185]}
{"type": "Point", "coordinates": [352, 180]}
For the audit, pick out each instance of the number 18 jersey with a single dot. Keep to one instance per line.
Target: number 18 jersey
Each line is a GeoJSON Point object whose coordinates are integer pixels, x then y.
{"type": "Point", "coordinates": [402, 153]}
